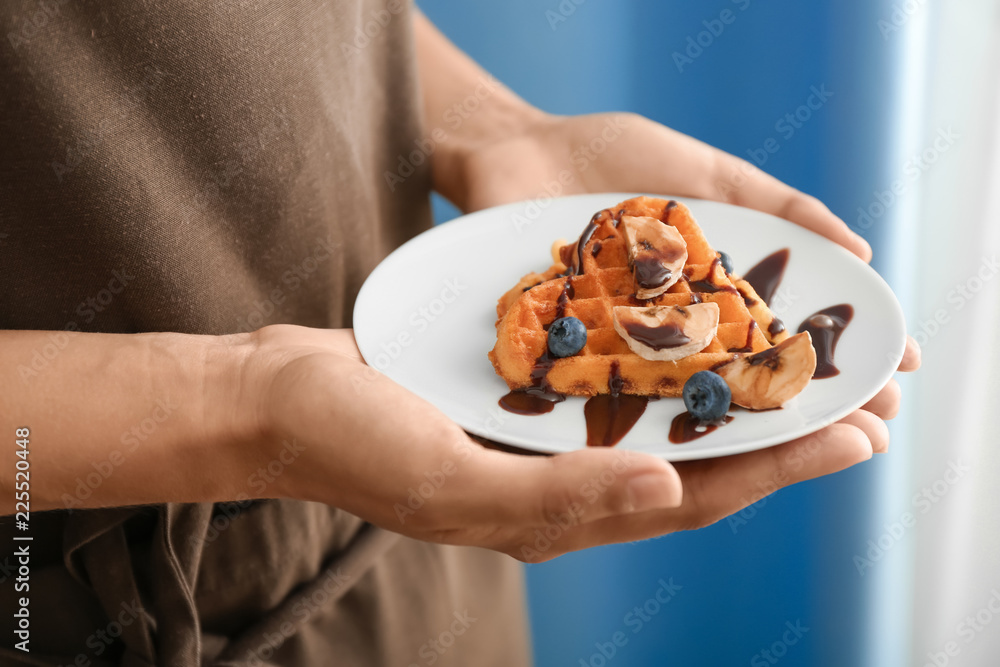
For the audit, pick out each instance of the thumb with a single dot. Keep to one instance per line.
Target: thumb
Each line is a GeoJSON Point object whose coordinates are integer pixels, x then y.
{"type": "Point", "coordinates": [580, 486]}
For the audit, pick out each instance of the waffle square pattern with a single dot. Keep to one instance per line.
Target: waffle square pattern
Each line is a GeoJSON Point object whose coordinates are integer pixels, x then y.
{"type": "Point", "coordinates": [592, 276]}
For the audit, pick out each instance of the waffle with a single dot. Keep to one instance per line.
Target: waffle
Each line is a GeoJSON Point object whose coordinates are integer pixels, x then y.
{"type": "Point", "coordinates": [588, 282]}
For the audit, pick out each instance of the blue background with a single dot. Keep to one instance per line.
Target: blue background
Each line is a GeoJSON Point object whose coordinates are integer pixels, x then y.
{"type": "Point", "coordinates": [792, 560]}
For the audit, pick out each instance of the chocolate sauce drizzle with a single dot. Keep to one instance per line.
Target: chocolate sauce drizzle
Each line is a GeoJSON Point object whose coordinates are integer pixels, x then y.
{"type": "Point", "coordinates": [661, 337]}
{"type": "Point", "coordinates": [826, 327]}
{"type": "Point", "coordinates": [775, 327]}
{"type": "Point", "coordinates": [749, 344]}
{"type": "Point", "coordinates": [767, 274]}
{"type": "Point", "coordinates": [710, 287]}
{"type": "Point", "coordinates": [611, 416]}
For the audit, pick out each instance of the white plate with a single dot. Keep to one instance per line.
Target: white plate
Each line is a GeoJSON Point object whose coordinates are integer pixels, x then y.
{"type": "Point", "coordinates": [425, 317]}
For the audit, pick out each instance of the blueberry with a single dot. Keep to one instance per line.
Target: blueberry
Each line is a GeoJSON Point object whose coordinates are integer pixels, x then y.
{"type": "Point", "coordinates": [727, 261]}
{"type": "Point", "coordinates": [707, 396]}
{"type": "Point", "coordinates": [567, 336]}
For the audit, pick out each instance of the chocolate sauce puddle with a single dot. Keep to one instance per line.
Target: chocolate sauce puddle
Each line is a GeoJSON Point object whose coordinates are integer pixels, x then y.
{"type": "Point", "coordinates": [767, 274]}
{"type": "Point", "coordinates": [685, 428]}
{"type": "Point", "coordinates": [611, 416]}
{"type": "Point", "coordinates": [825, 327]}
{"type": "Point", "coordinates": [537, 399]}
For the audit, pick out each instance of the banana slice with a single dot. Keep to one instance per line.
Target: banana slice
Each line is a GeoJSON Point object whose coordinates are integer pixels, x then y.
{"type": "Point", "coordinates": [667, 333]}
{"type": "Point", "coordinates": [656, 252]}
{"type": "Point", "coordinates": [770, 378]}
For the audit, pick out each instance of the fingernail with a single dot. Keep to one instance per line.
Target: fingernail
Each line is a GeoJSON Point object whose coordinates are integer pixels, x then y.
{"type": "Point", "coordinates": [651, 491]}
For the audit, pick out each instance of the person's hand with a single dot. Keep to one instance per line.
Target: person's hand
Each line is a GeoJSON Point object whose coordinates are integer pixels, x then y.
{"type": "Point", "coordinates": [622, 152]}
{"type": "Point", "coordinates": [365, 444]}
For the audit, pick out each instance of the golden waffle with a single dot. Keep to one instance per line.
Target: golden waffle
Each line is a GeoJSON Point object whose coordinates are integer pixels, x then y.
{"type": "Point", "coordinates": [526, 311]}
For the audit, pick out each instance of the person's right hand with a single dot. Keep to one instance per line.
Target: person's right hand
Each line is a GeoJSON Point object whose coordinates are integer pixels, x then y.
{"type": "Point", "coordinates": [372, 448]}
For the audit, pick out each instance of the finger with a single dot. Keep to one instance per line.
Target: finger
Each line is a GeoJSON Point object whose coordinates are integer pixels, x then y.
{"type": "Point", "coordinates": [760, 191]}
{"type": "Point", "coordinates": [582, 486]}
{"type": "Point", "coordinates": [886, 402]}
{"type": "Point", "coordinates": [716, 488]}
{"type": "Point", "coordinates": [912, 356]}
{"type": "Point", "coordinates": [873, 427]}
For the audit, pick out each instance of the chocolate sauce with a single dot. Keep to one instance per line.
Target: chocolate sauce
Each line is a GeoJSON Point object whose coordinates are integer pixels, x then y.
{"type": "Point", "coordinates": [708, 285]}
{"type": "Point", "coordinates": [539, 398]}
{"type": "Point", "coordinates": [671, 205]}
{"type": "Point", "coordinates": [650, 272]}
{"type": "Point", "coordinates": [825, 327]}
{"type": "Point", "coordinates": [564, 297]}
{"type": "Point", "coordinates": [576, 268]}
{"type": "Point", "coordinates": [749, 345]}
{"type": "Point", "coordinates": [767, 357]}
{"type": "Point", "coordinates": [658, 338]}
{"type": "Point", "coordinates": [696, 298]}
{"type": "Point", "coordinates": [775, 327]}
{"type": "Point", "coordinates": [597, 249]}
{"type": "Point", "coordinates": [685, 428]}
{"type": "Point", "coordinates": [748, 300]}
{"type": "Point", "coordinates": [767, 274]}
{"type": "Point", "coordinates": [531, 401]}
{"type": "Point", "coordinates": [611, 416]}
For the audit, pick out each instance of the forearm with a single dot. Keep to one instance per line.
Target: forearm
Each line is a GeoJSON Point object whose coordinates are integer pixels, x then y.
{"type": "Point", "coordinates": [125, 419]}
{"type": "Point", "coordinates": [465, 107]}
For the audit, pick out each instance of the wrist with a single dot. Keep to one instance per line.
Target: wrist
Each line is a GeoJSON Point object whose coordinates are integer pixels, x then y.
{"type": "Point", "coordinates": [233, 386]}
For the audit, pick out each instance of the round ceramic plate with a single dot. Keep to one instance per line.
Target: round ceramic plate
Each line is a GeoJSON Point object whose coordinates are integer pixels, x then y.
{"type": "Point", "coordinates": [426, 318]}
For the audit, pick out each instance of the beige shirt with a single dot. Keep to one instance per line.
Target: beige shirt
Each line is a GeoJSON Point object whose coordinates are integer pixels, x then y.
{"type": "Point", "coordinates": [212, 167]}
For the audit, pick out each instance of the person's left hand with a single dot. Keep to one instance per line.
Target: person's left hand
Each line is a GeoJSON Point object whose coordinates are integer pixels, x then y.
{"type": "Point", "coordinates": [622, 152]}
